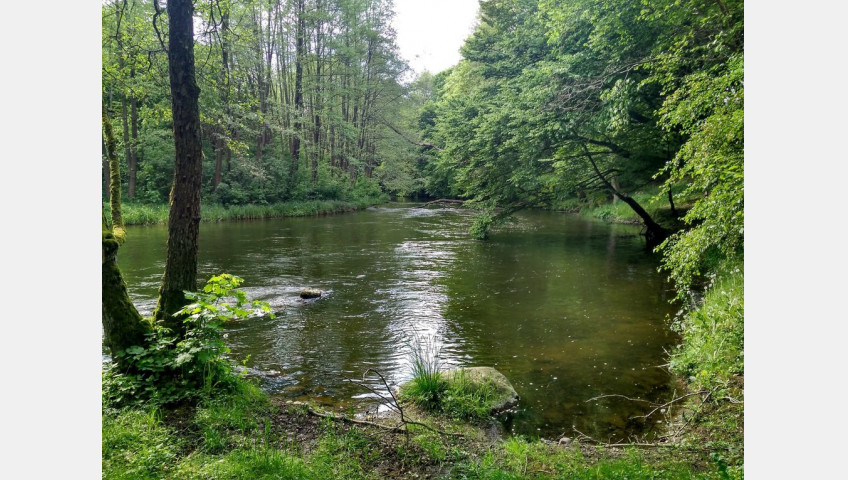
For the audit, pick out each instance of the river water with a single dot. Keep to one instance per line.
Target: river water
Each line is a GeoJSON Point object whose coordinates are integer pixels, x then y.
{"type": "Point", "coordinates": [567, 308]}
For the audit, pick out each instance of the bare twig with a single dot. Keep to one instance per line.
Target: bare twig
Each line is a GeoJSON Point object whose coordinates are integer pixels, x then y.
{"type": "Point", "coordinates": [158, 12]}
{"type": "Point", "coordinates": [669, 403]}
{"type": "Point", "coordinates": [394, 404]}
{"type": "Point", "coordinates": [583, 436]}
{"type": "Point", "coordinates": [614, 395]}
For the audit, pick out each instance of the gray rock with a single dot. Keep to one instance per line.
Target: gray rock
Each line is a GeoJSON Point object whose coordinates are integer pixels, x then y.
{"type": "Point", "coordinates": [310, 293]}
{"type": "Point", "coordinates": [565, 441]}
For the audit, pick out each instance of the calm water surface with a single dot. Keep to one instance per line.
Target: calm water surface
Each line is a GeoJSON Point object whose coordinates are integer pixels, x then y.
{"type": "Point", "coordinates": [567, 308]}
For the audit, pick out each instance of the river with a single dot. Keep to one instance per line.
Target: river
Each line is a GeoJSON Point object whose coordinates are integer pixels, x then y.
{"type": "Point", "coordinates": [567, 308]}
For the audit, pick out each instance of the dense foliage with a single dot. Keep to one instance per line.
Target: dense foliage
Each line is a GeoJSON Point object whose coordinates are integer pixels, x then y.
{"type": "Point", "coordinates": [297, 99]}
{"type": "Point", "coordinates": [596, 99]}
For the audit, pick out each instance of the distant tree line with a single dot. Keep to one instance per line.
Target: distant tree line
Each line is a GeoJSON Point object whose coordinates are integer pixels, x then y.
{"type": "Point", "coordinates": [295, 96]}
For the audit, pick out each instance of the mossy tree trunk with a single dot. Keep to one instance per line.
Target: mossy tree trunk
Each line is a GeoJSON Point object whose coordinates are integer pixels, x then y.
{"type": "Point", "coordinates": [184, 221]}
{"type": "Point", "coordinates": [123, 326]}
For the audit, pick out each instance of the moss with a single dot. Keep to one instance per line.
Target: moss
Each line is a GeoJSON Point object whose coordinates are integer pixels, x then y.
{"type": "Point", "coordinates": [114, 176]}
{"type": "Point", "coordinates": [122, 324]}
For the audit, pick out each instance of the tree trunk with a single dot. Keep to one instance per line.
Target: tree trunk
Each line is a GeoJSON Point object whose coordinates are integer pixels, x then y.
{"type": "Point", "coordinates": [298, 86]}
{"type": "Point", "coordinates": [184, 220]}
{"type": "Point", "coordinates": [123, 326]}
{"type": "Point", "coordinates": [654, 233]}
{"type": "Point", "coordinates": [132, 164]}
{"type": "Point", "coordinates": [671, 203]}
{"type": "Point", "coordinates": [126, 124]}
{"type": "Point", "coordinates": [106, 185]}
{"type": "Point", "coordinates": [221, 146]}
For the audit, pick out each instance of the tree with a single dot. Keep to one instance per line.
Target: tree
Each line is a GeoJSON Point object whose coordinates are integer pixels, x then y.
{"type": "Point", "coordinates": [553, 100]}
{"type": "Point", "coordinates": [123, 326]}
{"type": "Point", "coordinates": [700, 63]}
{"type": "Point", "coordinates": [184, 220]}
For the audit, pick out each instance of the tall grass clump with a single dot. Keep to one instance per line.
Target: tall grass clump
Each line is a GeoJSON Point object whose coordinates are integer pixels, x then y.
{"type": "Point", "coordinates": [454, 394]}
{"type": "Point", "coordinates": [427, 385]}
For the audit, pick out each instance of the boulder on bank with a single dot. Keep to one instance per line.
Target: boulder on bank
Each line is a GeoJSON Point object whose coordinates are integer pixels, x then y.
{"type": "Point", "coordinates": [307, 293]}
{"type": "Point", "coordinates": [504, 397]}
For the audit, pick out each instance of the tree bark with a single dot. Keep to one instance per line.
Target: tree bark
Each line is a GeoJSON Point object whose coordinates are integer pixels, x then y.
{"type": "Point", "coordinates": [123, 326]}
{"type": "Point", "coordinates": [184, 220]}
{"type": "Point", "coordinates": [298, 85]}
{"type": "Point", "coordinates": [132, 164]}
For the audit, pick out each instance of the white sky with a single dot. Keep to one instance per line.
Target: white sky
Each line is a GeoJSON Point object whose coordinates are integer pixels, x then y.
{"type": "Point", "coordinates": [430, 32]}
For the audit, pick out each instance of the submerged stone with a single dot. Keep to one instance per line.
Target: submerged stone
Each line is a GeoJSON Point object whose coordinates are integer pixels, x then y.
{"type": "Point", "coordinates": [310, 293]}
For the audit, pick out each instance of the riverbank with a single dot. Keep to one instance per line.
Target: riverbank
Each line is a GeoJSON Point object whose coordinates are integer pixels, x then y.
{"type": "Point", "coordinates": [144, 214]}
{"type": "Point", "coordinates": [249, 436]}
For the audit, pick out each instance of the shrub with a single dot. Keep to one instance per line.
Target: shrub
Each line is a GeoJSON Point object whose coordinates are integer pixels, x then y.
{"type": "Point", "coordinates": [170, 369]}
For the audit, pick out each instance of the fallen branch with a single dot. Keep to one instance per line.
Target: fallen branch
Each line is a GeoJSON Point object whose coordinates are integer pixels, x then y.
{"type": "Point", "coordinates": [615, 395]}
{"type": "Point", "coordinates": [441, 200]}
{"type": "Point", "coordinates": [583, 436]}
{"type": "Point", "coordinates": [667, 404]}
{"type": "Point", "coordinates": [657, 406]}
{"type": "Point", "coordinates": [342, 418]}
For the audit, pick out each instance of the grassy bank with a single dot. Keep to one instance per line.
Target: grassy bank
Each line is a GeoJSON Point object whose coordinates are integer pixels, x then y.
{"type": "Point", "coordinates": [246, 436]}
{"type": "Point", "coordinates": [143, 214]}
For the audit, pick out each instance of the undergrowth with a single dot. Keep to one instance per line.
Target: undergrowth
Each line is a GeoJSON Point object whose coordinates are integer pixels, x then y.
{"type": "Point", "coordinates": [712, 350]}
{"type": "Point", "coordinates": [170, 369]}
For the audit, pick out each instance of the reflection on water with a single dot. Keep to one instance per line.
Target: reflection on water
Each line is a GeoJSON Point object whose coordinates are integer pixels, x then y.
{"type": "Point", "coordinates": [567, 308]}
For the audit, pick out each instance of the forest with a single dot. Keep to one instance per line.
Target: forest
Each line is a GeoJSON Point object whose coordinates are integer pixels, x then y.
{"type": "Point", "coordinates": [613, 110]}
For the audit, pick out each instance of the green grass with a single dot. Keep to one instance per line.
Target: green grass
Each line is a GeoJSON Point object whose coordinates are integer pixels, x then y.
{"type": "Point", "coordinates": [235, 437]}
{"type": "Point", "coordinates": [712, 351]}
{"type": "Point", "coordinates": [427, 386]}
{"type": "Point", "coordinates": [517, 458]}
{"type": "Point", "coordinates": [467, 400]}
{"type": "Point", "coordinates": [136, 444]}
{"type": "Point", "coordinates": [142, 214]}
